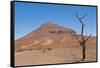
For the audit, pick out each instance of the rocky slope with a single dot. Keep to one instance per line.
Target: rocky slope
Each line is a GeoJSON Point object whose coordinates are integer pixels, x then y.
{"type": "Point", "coordinates": [49, 36]}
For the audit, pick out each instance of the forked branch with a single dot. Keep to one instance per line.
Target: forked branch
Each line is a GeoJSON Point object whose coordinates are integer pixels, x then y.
{"type": "Point", "coordinates": [88, 38]}
{"type": "Point", "coordinates": [82, 24]}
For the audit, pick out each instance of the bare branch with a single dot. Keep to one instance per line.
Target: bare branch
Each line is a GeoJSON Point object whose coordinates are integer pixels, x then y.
{"type": "Point", "coordinates": [83, 16]}
{"type": "Point", "coordinates": [82, 24]}
{"type": "Point", "coordinates": [88, 38]}
{"type": "Point", "coordinates": [80, 18]}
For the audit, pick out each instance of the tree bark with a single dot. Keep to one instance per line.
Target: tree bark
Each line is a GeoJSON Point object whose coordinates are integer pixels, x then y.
{"type": "Point", "coordinates": [83, 52]}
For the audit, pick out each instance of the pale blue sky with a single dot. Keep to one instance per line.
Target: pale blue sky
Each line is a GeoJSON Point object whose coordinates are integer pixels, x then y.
{"type": "Point", "coordinates": [29, 16]}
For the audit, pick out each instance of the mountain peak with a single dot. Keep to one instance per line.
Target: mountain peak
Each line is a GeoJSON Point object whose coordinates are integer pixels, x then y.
{"type": "Point", "coordinates": [56, 27]}
{"type": "Point", "coordinates": [49, 29]}
{"type": "Point", "coordinates": [48, 24]}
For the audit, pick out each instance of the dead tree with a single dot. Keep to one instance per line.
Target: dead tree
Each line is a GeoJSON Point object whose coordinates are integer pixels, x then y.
{"type": "Point", "coordinates": [82, 41]}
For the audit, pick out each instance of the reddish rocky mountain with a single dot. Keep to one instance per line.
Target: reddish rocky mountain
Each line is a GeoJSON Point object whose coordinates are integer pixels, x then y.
{"type": "Point", "coordinates": [49, 36]}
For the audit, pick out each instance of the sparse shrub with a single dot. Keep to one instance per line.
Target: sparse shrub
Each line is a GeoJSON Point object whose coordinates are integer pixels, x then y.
{"type": "Point", "coordinates": [49, 49]}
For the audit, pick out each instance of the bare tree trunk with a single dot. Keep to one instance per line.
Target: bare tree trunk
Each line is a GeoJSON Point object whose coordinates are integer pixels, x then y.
{"type": "Point", "coordinates": [83, 52]}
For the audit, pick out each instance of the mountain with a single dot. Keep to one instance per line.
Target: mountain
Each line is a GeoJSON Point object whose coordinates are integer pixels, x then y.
{"type": "Point", "coordinates": [48, 35]}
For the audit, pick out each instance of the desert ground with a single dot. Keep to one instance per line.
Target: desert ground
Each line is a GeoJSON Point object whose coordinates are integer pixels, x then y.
{"type": "Point", "coordinates": [54, 56]}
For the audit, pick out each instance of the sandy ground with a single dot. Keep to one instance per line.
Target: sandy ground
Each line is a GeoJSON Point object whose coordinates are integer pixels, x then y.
{"type": "Point", "coordinates": [58, 55]}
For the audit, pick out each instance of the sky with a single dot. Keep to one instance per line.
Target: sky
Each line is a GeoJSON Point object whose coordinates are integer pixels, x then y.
{"type": "Point", "coordinates": [30, 16]}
